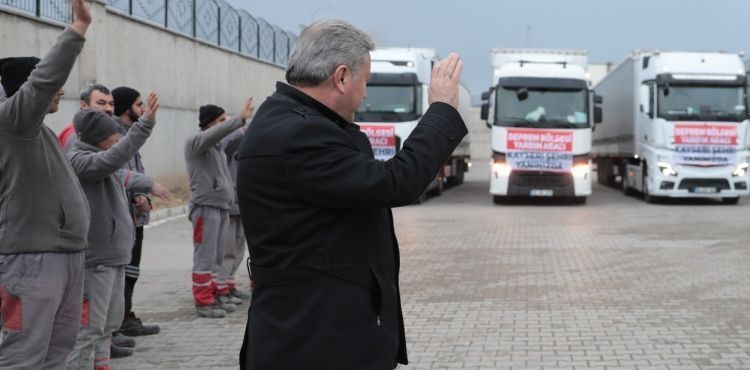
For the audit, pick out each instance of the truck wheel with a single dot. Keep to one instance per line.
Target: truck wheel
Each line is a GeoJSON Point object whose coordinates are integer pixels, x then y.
{"type": "Point", "coordinates": [733, 200]}
{"type": "Point", "coordinates": [627, 190]}
{"type": "Point", "coordinates": [499, 199]}
{"type": "Point", "coordinates": [422, 198]}
{"type": "Point", "coordinates": [459, 178]}
{"type": "Point", "coordinates": [438, 189]}
{"type": "Point", "coordinates": [579, 200]}
{"type": "Point", "coordinates": [647, 195]}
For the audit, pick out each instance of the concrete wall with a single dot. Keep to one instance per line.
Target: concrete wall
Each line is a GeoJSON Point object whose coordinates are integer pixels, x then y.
{"type": "Point", "coordinates": [122, 51]}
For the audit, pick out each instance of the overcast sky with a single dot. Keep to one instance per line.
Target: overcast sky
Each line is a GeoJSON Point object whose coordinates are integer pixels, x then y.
{"type": "Point", "coordinates": [608, 29]}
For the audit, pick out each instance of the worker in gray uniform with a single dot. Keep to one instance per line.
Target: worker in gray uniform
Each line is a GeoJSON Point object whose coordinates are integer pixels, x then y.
{"type": "Point", "coordinates": [128, 109]}
{"type": "Point", "coordinates": [212, 196]}
{"type": "Point", "coordinates": [97, 158]}
{"type": "Point", "coordinates": [234, 250]}
{"type": "Point", "coordinates": [45, 217]}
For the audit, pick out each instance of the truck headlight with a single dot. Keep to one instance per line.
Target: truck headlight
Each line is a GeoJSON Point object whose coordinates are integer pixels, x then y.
{"type": "Point", "coordinates": [500, 166]}
{"type": "Point", "coordinates": [741, 170]}
{"type": "Point", "coordinates": [501, 169]}
{"type": "Point", "coordinates": [666, 169]}
{"type": "Point", "coordinates": [580, 170]}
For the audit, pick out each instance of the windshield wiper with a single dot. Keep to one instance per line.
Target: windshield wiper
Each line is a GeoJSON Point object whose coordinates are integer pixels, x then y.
{"type": "Point", "coordinates": [519, 122]}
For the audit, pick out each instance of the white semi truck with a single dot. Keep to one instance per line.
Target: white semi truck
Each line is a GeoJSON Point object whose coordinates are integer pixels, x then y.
{"type": "Point", "coordinates": [541, 110]}
{"type": "Point", "coordinates": [397, 99]}
{"type": "Point", "coordinates": [676, 125]}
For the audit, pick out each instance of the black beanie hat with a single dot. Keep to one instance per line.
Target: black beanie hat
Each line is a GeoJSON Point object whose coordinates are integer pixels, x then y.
{"type": "Point", "coordinates": [15, 71]}
{"type": "Point", "coordinates": [124, 98]}
{"type": "Point", "coordinates": [208, 113]}
{"type": "Point", "coordinates": [94, 126]}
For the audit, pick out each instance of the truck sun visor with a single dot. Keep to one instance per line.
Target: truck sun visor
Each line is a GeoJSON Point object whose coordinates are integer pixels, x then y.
{"type": "Point", "coordinates": [536, 83]}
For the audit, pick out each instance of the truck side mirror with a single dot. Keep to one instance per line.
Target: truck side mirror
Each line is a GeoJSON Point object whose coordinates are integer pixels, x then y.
{"type": "Point", "coordinates": [486, 95]}
{"type": "Point", "coordinates": [645, 100]}
{"type": "Point", "coordinates": [598, 99]}
{"type": "Point", "coordinates": [485, 113]}
{"type": "Point", "coordinates": [598, 115]}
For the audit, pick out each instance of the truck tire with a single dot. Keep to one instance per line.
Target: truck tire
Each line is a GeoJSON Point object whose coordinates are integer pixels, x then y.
{"type": "Point", "coordinates": [647, 195]}
{"type": "Point", "coordinates": [499, 199]}
{"type": "Point", "coordinates": [731, 200]}
{"type": "Point", "coordinates": [601, 172]}
{"type": "Point", "coordinates": [627, 190]}
{"type": "Point", "coordinates": [438, 189]}
{"type": "Point", "coordinates": [459, 178]}
{"type": "Point", "coordinates": [579, 200]}
{"type": "Point", "coordinates": [422, 198]}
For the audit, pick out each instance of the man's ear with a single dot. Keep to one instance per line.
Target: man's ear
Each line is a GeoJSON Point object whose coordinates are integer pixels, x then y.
{"type": "Point", "coordinates": [340, 77]}
{"type": "Point", "coordinates": [82, 104]}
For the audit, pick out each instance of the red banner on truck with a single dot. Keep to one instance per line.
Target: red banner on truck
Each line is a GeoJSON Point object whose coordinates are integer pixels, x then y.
{"type": "Point", "coordinates": [382, 139]}
{"type": "Point", "coordinates": [540, 150]}
{"type": "Point", "coordinates": [705, 144]}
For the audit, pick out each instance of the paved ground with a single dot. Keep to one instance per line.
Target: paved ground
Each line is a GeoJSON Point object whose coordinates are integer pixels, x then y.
{"type": "Point", "coordinates": [614, 284]}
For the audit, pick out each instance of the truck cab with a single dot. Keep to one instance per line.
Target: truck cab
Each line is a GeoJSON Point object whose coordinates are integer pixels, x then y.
{"type": "Point", "coordinates": [688, 126]}
{"type": "Point", "coordinates": [397, 100]}
{"type": "Point", "coordinates": [541, 111]}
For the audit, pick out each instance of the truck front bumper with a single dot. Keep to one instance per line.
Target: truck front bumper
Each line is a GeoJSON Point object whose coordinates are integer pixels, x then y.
{"type": "Point", "coordinates": [538, 183]}
{"type": "Point", "coordinates": [700, 182]}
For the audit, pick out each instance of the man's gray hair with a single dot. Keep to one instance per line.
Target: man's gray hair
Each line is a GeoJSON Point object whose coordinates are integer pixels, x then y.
{"type": "Point", "coordinates": [322, 47]}
{"type": "Point", "coordinates": [86, 92]}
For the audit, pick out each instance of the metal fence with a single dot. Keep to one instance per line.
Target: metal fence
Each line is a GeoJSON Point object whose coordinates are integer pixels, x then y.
{"type": "Point", "coordinates": [215, 22]}
{"type": "Point", "coordinates": [55, 10]}
{"type": "Point", "coordinates": [212, 21]}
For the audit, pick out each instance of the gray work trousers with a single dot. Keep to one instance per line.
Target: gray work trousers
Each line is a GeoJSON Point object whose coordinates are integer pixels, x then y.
{"type": "Point", "coordinates": [40, 300]}
{"type": "Point", "coordinates": [209, 239]}
{"type": "Point", "coordinates": [102, 312]}
{"type": "Point", "coordinates": [234, 251]}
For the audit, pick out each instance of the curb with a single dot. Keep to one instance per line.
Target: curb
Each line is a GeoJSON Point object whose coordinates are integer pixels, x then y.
{"type": "Point", "coordinates": [163, 215]}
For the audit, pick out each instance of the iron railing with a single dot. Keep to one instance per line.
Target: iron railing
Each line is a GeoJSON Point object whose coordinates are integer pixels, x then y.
{"type": "Point", "coordinates": [215, 22]}
{"type": "Point", "coordinates": [212, 21]}
{"type": "Point", "coordinates": [55, 10]}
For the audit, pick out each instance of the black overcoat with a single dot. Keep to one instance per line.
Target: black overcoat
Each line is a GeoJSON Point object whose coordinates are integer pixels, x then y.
{"type": "Point", "coordinates": [315, 207]}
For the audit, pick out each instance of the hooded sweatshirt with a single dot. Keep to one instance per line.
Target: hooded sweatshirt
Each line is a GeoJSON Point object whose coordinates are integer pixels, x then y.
{"type": "Point", "coordinates": [211, 184]}
{"type": "Point", "coordinates": [42, 205]}
{"type": "Point", "coordinates": [112, 231]}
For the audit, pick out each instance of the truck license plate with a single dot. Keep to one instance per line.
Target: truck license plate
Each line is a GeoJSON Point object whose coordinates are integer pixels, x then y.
{"type": "Point", "coordinates": [704, 190]}
{"type": "Point", "coordinates": [542, 193]}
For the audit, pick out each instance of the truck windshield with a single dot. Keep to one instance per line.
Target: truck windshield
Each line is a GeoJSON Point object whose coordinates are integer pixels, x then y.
{"type": "Point", "coordinates": [542, 108]}
{"type": "Point", "coordinates": [702, 103]}
{"type": "Point", "coordinates": [391, 103]}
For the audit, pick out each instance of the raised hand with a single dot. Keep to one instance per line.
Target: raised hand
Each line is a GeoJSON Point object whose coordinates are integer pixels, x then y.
{"type": "Point", "coordinates": [81, 16]}
{"type": "Point", "coordinates": [152, 105]}
{"type": "Point", "coordinates": [445, 79]}
{"type": "Point", "coordinates": [247, 109]}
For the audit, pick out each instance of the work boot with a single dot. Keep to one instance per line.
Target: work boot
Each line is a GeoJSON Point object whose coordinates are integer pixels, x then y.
{"type": "Point", "coordinates": [132, 326]}
{"type": "Point", "coordinates": [229, 298]}
{"type": "Point", "coordinates": [122, 340]}
{"type": "Point", "coordinates": [119, 352]}
{"type": "Point", "coordinates": [240, 294]}
{"type": "Point", "coordinates": [228, 307]}
{"type": "Point", "coordinates": [211, 311]}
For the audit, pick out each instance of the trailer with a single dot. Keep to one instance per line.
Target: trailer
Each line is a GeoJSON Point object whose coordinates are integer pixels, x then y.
{"type": "Point", "coordinates": [676, 125]}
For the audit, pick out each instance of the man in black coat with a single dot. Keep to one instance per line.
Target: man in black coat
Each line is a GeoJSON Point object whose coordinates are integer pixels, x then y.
{"type": "Point", "coordinates": [315, 207]}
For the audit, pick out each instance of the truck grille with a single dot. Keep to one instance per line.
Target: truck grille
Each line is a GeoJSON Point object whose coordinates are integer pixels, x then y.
{"type": "Point", "coordinates": [690, 184]}
{"type": "Point", "coordinates": [540, 179]}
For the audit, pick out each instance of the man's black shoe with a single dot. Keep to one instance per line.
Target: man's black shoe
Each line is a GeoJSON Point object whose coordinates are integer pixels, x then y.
{"type": "Point", "coordinates": [121, 340]}
{"type": "Point", "coordinates": [132, 326]}
{"type": "Point", "coordinates": [119, 352]}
